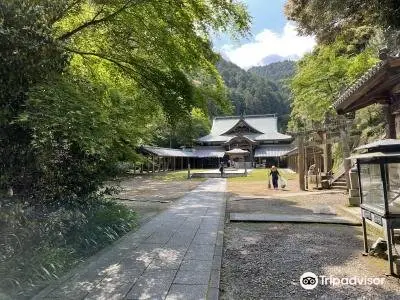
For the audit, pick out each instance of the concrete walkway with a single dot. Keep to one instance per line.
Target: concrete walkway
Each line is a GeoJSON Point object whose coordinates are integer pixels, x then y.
{"type": "Point", "coordinates": [176, 255]}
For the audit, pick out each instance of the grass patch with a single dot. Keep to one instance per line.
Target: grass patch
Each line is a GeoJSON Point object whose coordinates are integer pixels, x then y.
{"type": "Point", "coordinates": [262, 175]}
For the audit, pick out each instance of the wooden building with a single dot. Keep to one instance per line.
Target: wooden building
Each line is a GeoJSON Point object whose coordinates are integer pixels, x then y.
{"type": "Point", "coordinates": [380, 84]}
{"type": "Point", "coordinates": [257, 134]}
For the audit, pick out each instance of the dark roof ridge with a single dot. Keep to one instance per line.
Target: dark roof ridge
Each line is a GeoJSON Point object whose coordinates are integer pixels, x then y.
{"type": "Point", "coordinates": [246, 116]}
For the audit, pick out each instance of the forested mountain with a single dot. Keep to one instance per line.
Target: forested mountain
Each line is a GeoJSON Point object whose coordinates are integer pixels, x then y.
{"type": "Point", "coordinates": [276, 71]}
{"type": "Point", "coordinates": [259, 90]}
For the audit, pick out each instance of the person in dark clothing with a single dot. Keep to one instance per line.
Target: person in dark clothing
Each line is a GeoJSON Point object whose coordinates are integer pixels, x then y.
{"type": "Point", "coordinates": [275, 177]}
{"type": "Point", "coordinates": [221, 169]}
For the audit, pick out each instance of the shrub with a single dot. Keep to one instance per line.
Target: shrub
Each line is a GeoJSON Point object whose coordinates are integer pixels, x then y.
{"type": "Point", "coordinates": [38, 246]}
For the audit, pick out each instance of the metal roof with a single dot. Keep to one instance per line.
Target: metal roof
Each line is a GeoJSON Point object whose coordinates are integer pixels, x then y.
{"type": "Point", "coordinates": [216, 138]}
{"type": "Point", "coordinates": [262, 123]}
{"type": "Point", "coordinates": [272, 150]}
{"type": "Point", "coordinates": [168, 152]}
{"type": "Point", "coordinates": [268, 136]}
{"type": "Point", "coordinates": [201, 152]}
{"type": "Point", "coordinates": [371, 155]}
{"type": "Point", "coordinates": [381, 144]}
{"type": "Point", "coordinates": [266, 125]}
{"type": "Point", "coordinates": [237, 151]}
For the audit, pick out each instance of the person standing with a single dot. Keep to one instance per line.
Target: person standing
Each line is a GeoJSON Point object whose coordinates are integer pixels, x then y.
{"type": "Point", "coordinates": [275, 177]}
{"type": "Point", "coordinates": [221, 169]}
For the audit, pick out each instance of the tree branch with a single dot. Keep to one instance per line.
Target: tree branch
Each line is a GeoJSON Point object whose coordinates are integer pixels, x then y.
{"type": "Point", "coordinates": [94, 22]}
{"type": "Point", "coordinates": [59, 16]}
{"type": "Point", "coordinates": [120, 64]}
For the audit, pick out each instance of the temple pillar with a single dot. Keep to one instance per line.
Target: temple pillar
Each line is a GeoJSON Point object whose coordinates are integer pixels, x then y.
{"type": "Point", "coordinates": [390, 121]}
{"type": "Point", "coordinates": [346, 154]}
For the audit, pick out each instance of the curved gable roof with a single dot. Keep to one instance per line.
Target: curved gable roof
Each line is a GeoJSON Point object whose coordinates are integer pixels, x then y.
{"type": "Point", "coordinates": [261, 123]}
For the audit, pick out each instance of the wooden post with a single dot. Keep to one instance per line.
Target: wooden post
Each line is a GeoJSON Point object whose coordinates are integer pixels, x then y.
{"type": "Point", "coordinates": [390, 121]}
{"type": "Point", "coordinates": [152, 161]}
{"type": "Point", "coordinates": [134, 169]}
{"type": "Point", "coordinates": [174, 163]}
{"type": "Point", "coordinates": [325, 152]}
{"type": "Point", "coordinates": [188, 165]}
{"type": "Point", "coordinates": [158, 164]}
{"type": "Point", "coordinates": [300, 161]}
{"type": "Point", "coordinates": [346, 154]}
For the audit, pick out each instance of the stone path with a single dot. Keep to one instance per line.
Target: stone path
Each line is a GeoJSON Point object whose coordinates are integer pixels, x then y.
{"type": "Point", "coordinates": [176, 255]}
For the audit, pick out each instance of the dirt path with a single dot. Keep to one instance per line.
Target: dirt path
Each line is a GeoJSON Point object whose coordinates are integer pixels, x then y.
{"type": "Point", "coordinates": [149, 196]}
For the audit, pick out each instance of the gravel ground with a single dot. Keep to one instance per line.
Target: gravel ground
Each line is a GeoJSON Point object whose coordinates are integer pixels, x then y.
{"type": "Point", "coordinates": [330, 202]}
{"type": "Point", "coordinates": [265, 261]}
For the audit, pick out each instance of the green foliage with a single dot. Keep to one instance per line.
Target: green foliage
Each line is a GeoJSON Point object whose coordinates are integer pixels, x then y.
{"type": "Point", "coordinates": [92, 79]}
{"type": "Point", "coordinates": [82, 84]}
{"type": "Point", "coordinates": [183, 132]}
{"type": "Point", "coordinates": [36, 250]}
{"type": "Point", "coordinates": [329, 19]}
{"type": "Point", "coordinates": [321, 75]}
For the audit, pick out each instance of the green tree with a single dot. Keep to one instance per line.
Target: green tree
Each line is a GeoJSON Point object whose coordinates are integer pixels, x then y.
{"type": "Point", "coordinates": [330, 19]}
{"type": "Point", "coordinates": [321, 75]}
{"type": "Point", "coordinates": [85, 82]}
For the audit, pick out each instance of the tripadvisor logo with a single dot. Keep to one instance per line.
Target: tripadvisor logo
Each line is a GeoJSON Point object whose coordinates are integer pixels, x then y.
{"type": "Point", "coordinates": [310, 281]}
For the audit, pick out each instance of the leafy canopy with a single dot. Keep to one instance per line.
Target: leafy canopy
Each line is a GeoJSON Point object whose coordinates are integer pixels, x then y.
{"type": "Point", "coordinates": [85, 82]}
{"type": "Point", "coordinates": [321, 75]}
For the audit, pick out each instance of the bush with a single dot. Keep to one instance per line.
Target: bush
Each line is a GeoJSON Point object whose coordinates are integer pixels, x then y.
{"type": "Point", "coordinates": [38, 246]}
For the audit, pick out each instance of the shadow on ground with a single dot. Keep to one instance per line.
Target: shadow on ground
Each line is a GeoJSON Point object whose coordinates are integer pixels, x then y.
{"type": "Point", "coordinates": [265, 261]}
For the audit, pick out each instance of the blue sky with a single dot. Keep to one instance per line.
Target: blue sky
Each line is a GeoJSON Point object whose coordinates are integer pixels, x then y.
{"type": "Point", "coordinates": [273, 37]}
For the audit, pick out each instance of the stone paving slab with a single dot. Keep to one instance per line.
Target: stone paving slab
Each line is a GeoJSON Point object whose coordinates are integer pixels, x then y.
{"type": "Point", "coordinates": [176, 255]}
{"type": "Point", "coordinates": [285, 218]}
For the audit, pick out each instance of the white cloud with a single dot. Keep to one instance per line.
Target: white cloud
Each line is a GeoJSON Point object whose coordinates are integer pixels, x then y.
{"type": "Point", "coordinates": [268, 43]}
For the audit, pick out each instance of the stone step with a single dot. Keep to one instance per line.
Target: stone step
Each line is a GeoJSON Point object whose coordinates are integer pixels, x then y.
{"type": "Point", "coordinates": [339, 183]}
{"type": "Point", "coordinates": [344, 188]}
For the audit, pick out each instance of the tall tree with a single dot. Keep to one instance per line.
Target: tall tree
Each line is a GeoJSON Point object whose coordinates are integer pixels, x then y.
{"type": "Point", "coordinates": [85, 81]}
{"type": "Point", "coordinates": [328, 19]}
{"type": "Point", "coordinates": [321, 75]}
